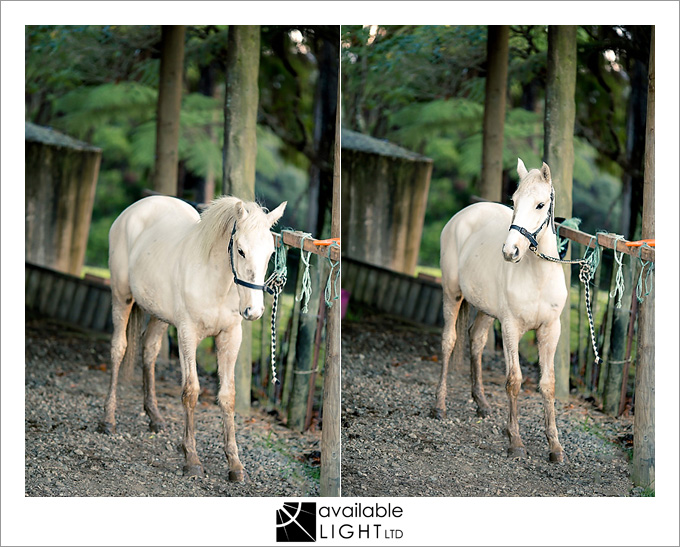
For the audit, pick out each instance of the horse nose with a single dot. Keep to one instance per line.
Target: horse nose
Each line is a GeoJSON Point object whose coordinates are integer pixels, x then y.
{"type": "Point", "coordinates": [511, 255]}
{"type": "Point", "coordinates": [252, 314]}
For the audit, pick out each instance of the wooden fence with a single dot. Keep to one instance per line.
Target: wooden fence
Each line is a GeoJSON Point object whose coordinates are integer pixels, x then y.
{"type": "Point", "coordinates": [414, 298]}
{"type": "Point", "coordinates": [81, 302]}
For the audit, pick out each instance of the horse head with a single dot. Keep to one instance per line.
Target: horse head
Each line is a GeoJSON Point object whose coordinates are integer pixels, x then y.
{"type": "Point", "coordinates": [250, 248]}
{"type": "Point", "coordinates": [534, 202]}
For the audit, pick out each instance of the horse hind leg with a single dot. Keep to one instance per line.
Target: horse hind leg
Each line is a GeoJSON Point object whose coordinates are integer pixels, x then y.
{"type": "Point", "coordinates": [452, 303]}
{"type": "Point", "coordinates": [121, 306]}
{"type": "Point", "coordinates": [547, 338]}
{"type": "Point", "coordinates": [479, 332]}
{"type": "Point", "coordinates": [153, 338]}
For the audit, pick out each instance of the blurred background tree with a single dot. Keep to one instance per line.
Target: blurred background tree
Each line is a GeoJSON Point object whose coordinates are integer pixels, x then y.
{"type": "Point", "coordinates": [423, 87]}
{"type": "Point", "coordinates": [100, 84]}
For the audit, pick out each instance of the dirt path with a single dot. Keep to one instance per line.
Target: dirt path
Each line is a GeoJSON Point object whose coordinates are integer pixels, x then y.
{"type": "Point", "coordinates": [391, 446]}
{"type": "Point", "coordinates": [66, 383]}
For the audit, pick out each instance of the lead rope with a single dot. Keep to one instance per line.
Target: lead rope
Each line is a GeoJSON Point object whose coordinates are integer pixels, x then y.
{"type": "Point", "coordinates": [588, 266]}
{"type": "Point", "coordinates": [274, 285]}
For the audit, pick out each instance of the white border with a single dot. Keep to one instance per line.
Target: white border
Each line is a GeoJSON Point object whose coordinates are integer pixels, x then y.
{"type": "Point", "coordinates": [431, 521]}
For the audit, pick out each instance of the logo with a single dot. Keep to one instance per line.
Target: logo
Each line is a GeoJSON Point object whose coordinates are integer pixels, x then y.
{"type": "Point", "coordinates": [296, 522]}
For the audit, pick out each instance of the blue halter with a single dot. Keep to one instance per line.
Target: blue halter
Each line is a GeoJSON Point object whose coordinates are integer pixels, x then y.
{"type": "Point", "coordinates": [531, 236]}
{"type": "Point", "coordinates": [241, 282]}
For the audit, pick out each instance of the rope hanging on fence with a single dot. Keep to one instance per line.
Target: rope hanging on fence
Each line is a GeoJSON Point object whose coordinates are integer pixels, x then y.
{"type": "Point", "coordinates": [646, 280]}
{"type": "Point", "coordinates": [306, 290]}
{"type": "Point", "coordinates": [620, 286]}
{"type": "Point", "coordinates": [562, 242]}
{"type": "Point", "coordinates": [332, 287]}
{"type": "Point", "coordinates": [277, 280]}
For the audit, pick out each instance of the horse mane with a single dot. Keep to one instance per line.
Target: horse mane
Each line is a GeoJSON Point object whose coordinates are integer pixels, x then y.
{"type": "Point", "coordinates": [218, 219]}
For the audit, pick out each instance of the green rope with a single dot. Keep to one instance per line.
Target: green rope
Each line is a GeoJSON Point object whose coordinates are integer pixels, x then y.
{"type": "Point", "coordinates": [645, 282]}
{"type": "Point", "coordinates": [306, 290]}
{"type": "Point", "coordinates": [620, 286]}
{"type": "Point", "coordinates": [562, 242]}
{"type": "Point", "coordinates": [332, 286]}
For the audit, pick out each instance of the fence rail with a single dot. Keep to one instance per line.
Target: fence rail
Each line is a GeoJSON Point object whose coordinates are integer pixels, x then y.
{"type": "Point", "coordinates": [68, 298]}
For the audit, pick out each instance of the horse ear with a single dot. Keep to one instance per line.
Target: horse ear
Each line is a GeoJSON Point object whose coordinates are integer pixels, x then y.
{"type": "Point", "coordinates": [276, 214]}
{"type": "Point", "coordinates": [241, 212]}
{"type": "Point", "coordinates": [545, 172]}
{"type": "Point", "coordinates": [521, 170]}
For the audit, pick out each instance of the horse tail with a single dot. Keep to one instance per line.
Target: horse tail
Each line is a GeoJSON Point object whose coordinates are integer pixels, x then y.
{"type": "Point", "coordinates": [134, 346]}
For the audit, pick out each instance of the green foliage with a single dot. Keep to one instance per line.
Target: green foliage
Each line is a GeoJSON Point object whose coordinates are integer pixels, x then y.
{"type": "Point", "coordinates": [99, 84]}
{"type": "Point", "coordinates": [423, 87]}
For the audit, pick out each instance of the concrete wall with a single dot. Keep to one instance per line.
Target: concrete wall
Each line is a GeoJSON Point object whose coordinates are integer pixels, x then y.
{"type": "Point", "coordinates": [61, 177]}
{"type": "Point", "coordinates": [384, 196]}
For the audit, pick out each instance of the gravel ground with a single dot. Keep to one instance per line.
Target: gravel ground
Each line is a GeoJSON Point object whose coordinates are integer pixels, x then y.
{"type": "Point", "coordinates": [392, 447]}
{"type": "Point", "coordinates": [66, 384]}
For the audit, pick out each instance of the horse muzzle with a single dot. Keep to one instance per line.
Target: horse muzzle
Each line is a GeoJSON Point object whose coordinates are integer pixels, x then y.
{"type": "Point", "coordinates": [252, 313]}
{"type": "Point", "coordinates": [511, 254]}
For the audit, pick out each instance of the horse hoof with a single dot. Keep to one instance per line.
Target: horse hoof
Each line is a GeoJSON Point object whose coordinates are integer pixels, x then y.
{"type": "Point", "coordinates": [438, 414]}
{"type": "Point", "coordinates": [193, 471]}
{"type": "Point", "coordinates": [156, 427]}
{"type": "Point", "coordinates": [557, 457]}
{"type": "Point", "coordinates": [517, 452]}
{"type": "Point", "coordinates": [484, 412]}
{"type": "Point", "coordinates": [237, 476]}
{"type": "Point", "coordinates": [106, 427]}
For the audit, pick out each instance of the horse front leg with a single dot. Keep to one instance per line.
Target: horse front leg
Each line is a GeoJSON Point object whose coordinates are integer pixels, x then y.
{"type": "Point", "coordinates": [479, 332]}
{"type": "Point", "coordinates": [452, 303]}
{"type": "Point", "coordinates": [190, 388]}
{"type": "Point", "coordinates": [153, 338]}
{"type": "Point", "coordinates": [547, 337]}
{"type": "Point", "coordinates": [227, 344]}
{"type": "Point", "coordinates": [513, 382]}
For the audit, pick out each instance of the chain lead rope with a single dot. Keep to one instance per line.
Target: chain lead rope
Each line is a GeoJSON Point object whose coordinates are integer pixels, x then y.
{"type": "Point", "coordinates": [274, 285]}
{"type": "Point", "coordinates": [588, 266]}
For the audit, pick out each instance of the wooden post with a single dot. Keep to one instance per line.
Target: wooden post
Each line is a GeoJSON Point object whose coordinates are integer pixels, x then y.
{"type": "Point", "coordinates": [330, 434]}
{"type": "Point", "coordinates": [491, 180]}
{"type": "Point", "coordinates": [617, 349]}
{"type": "Point", "coordinates": [304, 348]}
{"type": "Point", "coordinates": [169, 106]}
{"type": "Point", "coordinates": [643, 427]}
{"type": "Point", "coordinates": [238, 158]}
{"type": "Point", "coordinates": [560, 112]}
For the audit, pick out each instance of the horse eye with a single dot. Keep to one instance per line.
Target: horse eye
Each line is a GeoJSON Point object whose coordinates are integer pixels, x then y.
{"type": "Point", "coordinates": [540, 206]}
{"type": "Point", "coordinates": [241, 253]}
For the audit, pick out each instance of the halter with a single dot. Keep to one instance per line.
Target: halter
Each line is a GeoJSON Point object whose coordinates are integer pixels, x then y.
{"type": "Point", "coordinates": [531, 236]}
{"type": "Point", "coordinates": [267, 284]}
{"type": "Point", "coordinates": [584, 274]}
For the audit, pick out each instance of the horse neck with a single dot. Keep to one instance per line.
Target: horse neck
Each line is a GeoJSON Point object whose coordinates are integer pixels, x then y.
{"type": "Point", "coordinates": [214, 264]}
{"type": "Point", "coordinates": [548, 243]}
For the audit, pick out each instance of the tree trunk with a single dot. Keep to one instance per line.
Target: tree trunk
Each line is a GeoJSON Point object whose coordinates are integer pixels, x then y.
{"type": "Point", "coordinates": [330, 434]}
{"type": "Point", "coordinates": [169, 106]}
{"type": "Point", "coordinates": [559, 155]}
{"type": "Point", "coordinates": [643, 428]}
{"type": "Point", "coordinates": [240, 111]}
{"type": "Point", "coordinates": [325, 106]}
{"type": "Point", "coordinates": [491, 182]}
{"type": "Point", "coordinates": [238, 158]}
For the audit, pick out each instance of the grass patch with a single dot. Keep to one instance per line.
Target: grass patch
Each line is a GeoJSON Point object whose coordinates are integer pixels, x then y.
{"type": "Point", "coordinates": [94, 270]}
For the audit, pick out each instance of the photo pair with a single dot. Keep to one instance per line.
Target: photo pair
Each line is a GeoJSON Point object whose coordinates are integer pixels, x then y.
{"type": "Point", "coordinates": [350, 268]}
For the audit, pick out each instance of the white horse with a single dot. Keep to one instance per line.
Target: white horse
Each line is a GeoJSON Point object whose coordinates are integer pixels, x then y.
{"type": "Point", "coordinates": [489, 266]}
{"type": "Point", "coordinates": [175, 265]}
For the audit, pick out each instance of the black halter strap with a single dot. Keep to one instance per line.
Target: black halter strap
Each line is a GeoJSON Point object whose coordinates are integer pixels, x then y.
{"type": "Point", "coordinates": [238, 281]}
{"type": "Point", "coordinates": [531, 236]}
